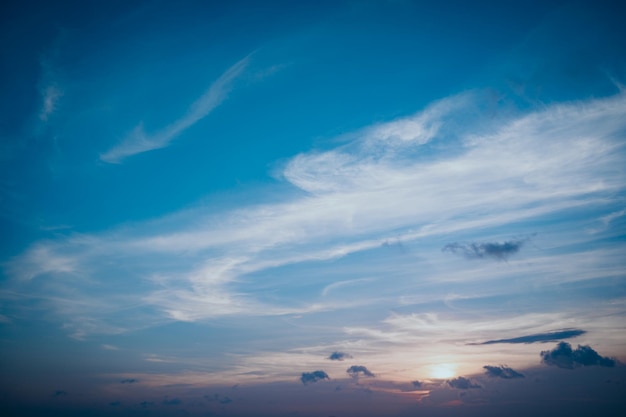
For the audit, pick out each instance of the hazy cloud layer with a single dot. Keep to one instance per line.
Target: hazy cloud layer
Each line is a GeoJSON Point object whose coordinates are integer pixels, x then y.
{"type": "Point", "coordinates": [357, 370]}
{"type": "Point", "coordinates": [539, 337]}
{"type": "Point", "coordinates": [502, 371]}
{"type": "Point", "coordinates": [310, 377]}
{"type": "Point", "coordinates": [563, 356]}
{"type": "Point", "coordinates": [494, 250]}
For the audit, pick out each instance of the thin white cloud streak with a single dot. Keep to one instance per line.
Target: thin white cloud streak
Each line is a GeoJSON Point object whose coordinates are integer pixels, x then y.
{"type": "Point", "coordinates": [138, 141]}
{"type": "Point", "coordinates": [340, 284]}
{"type": "Point", "coordinates": [50, 98]}
{"type": "Point", "coordinates": [402, 181]}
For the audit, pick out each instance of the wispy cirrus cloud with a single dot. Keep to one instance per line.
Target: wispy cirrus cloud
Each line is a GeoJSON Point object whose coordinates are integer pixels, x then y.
{"type": "Point", "coordinates": [139, 141]}
{"type": "Point", "coordinates": [377, 188]}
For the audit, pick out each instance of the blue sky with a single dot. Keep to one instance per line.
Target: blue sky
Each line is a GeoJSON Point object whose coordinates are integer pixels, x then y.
{"type": "Point", "coordinates": [319, 208]}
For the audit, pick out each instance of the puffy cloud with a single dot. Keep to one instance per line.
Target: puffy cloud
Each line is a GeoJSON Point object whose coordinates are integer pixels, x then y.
{"type": "Point", "coordinates": [309, 377]}
{"type": "Point", "coordinates": [475, 250]}
{"type": "Point", "coordinates": [462, 383]}
{"type": "Point", "coordinates": [339, 356]}
{"type": "Point", "coordinates": [357, 370]}
{"type": "Point", "coordinates": [538, 337]}
{"type": "Point", "coordinates": [563, 356]}
{"type": "Point", "coordinates": [502, 371]}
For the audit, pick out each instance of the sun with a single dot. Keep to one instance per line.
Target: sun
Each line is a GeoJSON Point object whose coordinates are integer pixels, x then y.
{"type": "Point", "coordinates": [442, 370]}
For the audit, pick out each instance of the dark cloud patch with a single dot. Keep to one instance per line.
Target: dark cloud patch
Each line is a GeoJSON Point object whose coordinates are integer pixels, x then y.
{"type": "Point", "coordinates": [145, 404]}
{"type": "Point", "coordinates": [339, 356]}
{"type": "Point", "coordinates": [357, 370]}
{"type": "Point", "coordinates": [173, 401]}
{"type": "Point", "coordinates": [310, 377]}
{"type": "Point", "coordinates": [563, 356]}
{"type": "Point", "coordinates": [476, 250]}
{"type": "Point", "coordinates": [115, 403]}
{"type": "Point", "coordinates": [416, 384]}
{"type": "Point", "coordinates": [128, 381]}
{"type": "Point", "coordinates": [59, 393]}
{"type": "Point", "coordinates": [538, 337]}
{"type": "Point", "coordinates": [462, 383]}
{"type": "Point", "coordinates": [502, 371]}
{"type": "Point", "coordinates": [218, 398]}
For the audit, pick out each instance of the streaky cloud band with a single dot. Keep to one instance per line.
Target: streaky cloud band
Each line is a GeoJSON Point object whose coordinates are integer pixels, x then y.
{"type": "Point", "coordinates": [537, 338]}
{"type": "Point", "coordinates": [138, 142]}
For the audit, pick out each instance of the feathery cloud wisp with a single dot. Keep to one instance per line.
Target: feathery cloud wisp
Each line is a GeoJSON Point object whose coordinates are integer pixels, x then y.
{"type": "Point", "coordinates": [138, 141]}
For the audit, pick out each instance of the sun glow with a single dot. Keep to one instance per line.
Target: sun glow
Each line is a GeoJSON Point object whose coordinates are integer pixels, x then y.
{"type": "Point", "coordinates": [442, 370]}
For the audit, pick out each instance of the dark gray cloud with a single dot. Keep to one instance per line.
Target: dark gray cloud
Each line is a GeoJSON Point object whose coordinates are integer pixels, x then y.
{"type": "Point", "coordinates": [173, 401]}
{"type": "Point", "coordinates": [145, 404]}
{"type": "Point", "coordinates": [339, 356]}
{"type": "Point", "coordinates": [115, 403]}
{"type": "Point", "coordinates": [563, 356]}
{"type": "Point", "coordinates": [416, 384]}
{"type": "Point", "coordinates": [462, 383]}
{"type": "Point", "coordinates": [538, 337]}
{"type": "Point", "coordinates": [502, 371]}
{"type": "Point", "coordinates": [358, 370]}
{"type": "Point", "coordinates": [309, 377]}
{"type": "Point", "coordinates": [59, 393]}
{"type": "Point", "coordinates": [128, 381]}
{"type": "Point", "coordinates": [476, 250]}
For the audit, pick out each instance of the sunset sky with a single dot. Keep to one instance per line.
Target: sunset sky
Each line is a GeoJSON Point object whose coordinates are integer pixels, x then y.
{"type": "Point", "coordinates": [312, 208]}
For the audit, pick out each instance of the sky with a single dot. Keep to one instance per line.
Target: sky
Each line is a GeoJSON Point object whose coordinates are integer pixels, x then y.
{"type": "Point", "coordinates": [312, 208]}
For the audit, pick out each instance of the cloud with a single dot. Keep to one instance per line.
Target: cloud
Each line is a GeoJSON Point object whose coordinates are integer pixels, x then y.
{"type": "Point", "coordinates": [138, 141]}
{"type": "Point", "coordinates": [538, 337]}
{"type": "Point", "coordinates": [310, 377]}
{"type": "Point", "coordinates": [339, 356]}
{"type": "Point", "coordinates": [462, 383]}
{"type": "Point", "coordinates": [109, 347]}
{"type": "Point", "coordinates": [173, 401]}
{"type": "Point", "coordinates": [563, 356]}
{"type": "Point", "coordinates": [502, 371]}
{"type": "Point", "coordinates": [381, 184]}
{"type": "Point", "coordinates": [495, 250]}
{"type": "Point", "coordinates": [416, 384]}
{"type": "Point", "coordinates": [219, 398]}
{"type": "Point", "coordinates": [50, 97]}
{"type": "Point", "coordinates": [128, 381]}
{"type": "Point", "coordinates": [356, 370]}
